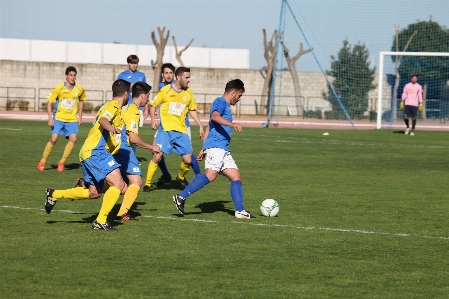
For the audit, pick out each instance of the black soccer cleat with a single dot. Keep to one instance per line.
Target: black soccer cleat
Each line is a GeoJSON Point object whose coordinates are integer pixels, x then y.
{"type": "Point", "coordinates": [183, 182]}
{"type": "Point", "coordinates": [163, 179]}
{"type": "Point", "coordinates": [102, 226]}
{"type": "Point", "coordinates": [146, 188]}
{"type": "Point", "coordinates": [179, 202]}
{"type": "Point", "coordinates": [49, 200]}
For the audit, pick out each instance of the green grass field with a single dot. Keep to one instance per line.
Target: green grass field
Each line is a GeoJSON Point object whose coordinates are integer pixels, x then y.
{"type": "Point", "coordinates": [363, 214]}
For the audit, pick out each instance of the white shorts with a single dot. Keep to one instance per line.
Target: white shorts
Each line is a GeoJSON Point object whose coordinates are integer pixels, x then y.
{"type": "Point", "coordinates": [218, 159]}
{"type": "Point", "coordinates": [141, 118]}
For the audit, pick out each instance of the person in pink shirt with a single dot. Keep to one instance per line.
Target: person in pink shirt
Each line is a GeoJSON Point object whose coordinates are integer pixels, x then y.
{"type": "Point", "coordinates": [411, 103]}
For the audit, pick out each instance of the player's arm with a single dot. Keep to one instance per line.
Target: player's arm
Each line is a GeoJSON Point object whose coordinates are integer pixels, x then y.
{"type": "Point", "coordinates": [80, 112]}
{"type": "Point", "coordinates": [51, 122]}
{"type": "Point", "coordinates": [195, 117]}
{"type": "Point", "coordinates": [106, 124]}
{"type": "Point", "coordinates": [216, 117]}
{"type": "Point", "coordinates": [200, 155]}
{"type": "Point", "coordinates": [154, 123]}
{"type": "Point", "coordinates": [135, 139]}
{"type": "Point", "coordinates": [145, 112]}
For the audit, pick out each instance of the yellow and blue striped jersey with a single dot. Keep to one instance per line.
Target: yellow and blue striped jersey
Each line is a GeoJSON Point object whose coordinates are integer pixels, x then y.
{"type": "Point", "coordinates": [66, 101]}
{"type": "Point", "coordinates": [131, 119]}
{"type": "Point", "coordinates": [174, 107]}
{"type": "Point", "coordinates": [99, 138]}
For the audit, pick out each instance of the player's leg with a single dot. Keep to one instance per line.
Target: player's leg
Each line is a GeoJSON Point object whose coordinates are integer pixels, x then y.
{"type": "Point", "coordinates": [163, 140]}
{"type": "Point", "coordinates": [414, 113]}
{"type": "Point", "coordinates": [182, 145]}
{"type": "Point", "coordinates": [55, 131]}
{"type": "Point", "coordinates": [195, 164]}
{"type": "Point", "coordinates": [406, 119]}
{"type": "Point", "coordinates": [165, 177]}
{"type": "Point", "coordinates": [71, 132]}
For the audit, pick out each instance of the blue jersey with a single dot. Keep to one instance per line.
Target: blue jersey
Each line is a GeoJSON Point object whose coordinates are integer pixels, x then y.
{"type": "Point", "coordinates": [219, 135]}
{"type": "Point", "coordinates": [132, 77]}
{"type": "Point", "coordinates": [162, 84]}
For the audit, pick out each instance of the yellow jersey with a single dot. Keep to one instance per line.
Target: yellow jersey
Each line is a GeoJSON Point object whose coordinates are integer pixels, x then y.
{"type": "Point", "coordinates": [66, 101]}
{"type": "Point", "coordinates": [174, 107]}
{"type": "Point", "coordinates": [131, 119]}
{"type": "Point", "coordinates": [99, 138]}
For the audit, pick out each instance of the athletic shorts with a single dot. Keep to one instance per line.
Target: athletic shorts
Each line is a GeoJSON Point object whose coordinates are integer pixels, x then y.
{"type": "Point", "coordinates": [66, 128]}
{"type": "Point", "coordinates": [174, 141]}
{"type": "Point", "coordinates": [218, 159]}
{"type": "Point", "coordinates": [128, 161]}
{"type": "Point", "coordinates": [410, 111]}
{"type": "Point", "coordinates": [189, 133]}
{"type": "Point", "coordinates": [97, 167]}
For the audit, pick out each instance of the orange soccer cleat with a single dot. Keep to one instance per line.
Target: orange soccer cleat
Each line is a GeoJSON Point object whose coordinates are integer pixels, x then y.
{"type": "Point", "coordinates": [60, 167]}
{"type": "Point", "coordinates": [41, 166]}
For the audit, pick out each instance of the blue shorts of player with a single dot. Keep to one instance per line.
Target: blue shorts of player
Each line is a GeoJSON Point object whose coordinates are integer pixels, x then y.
{"type": "Point", "coordinates": [97, 167]}
{"type": "Point", "coordinates": [410, 111]}
{"type": "Point", "coordinates": [66, 128]}
{"type": "Point", "coordinates": [128, 161]}
{"type": "Point", "coordinates": [173, 140]}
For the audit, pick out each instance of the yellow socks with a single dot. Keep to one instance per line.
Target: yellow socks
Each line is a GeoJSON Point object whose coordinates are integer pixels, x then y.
{"type": "Point", "coordinates": [152, 167]}
{"type": "Point", "coordinates": [128, 200]}
{"type": "Point", "coordinates": [79, 193]}
{"type": "Point", "coordinates": [47, 150]}
{"type": "Point", "coordinates": [109, 199]}
{"type": "Point", "coordinates": [68, 149]}
{"type": "Point", "coordinates": [183, 169]}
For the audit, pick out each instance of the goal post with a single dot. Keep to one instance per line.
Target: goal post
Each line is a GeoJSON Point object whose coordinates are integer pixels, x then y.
{"type": "Point", "coordinates": [382, 55]}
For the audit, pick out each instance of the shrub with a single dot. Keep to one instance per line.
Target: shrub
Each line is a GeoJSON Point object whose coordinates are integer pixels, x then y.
{"type": "Point", "coordinates": [23, 105]}
{"type": "Point", "coordinates": [88, 107]}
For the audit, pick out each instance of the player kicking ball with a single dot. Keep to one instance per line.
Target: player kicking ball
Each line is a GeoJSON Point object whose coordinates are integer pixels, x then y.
{"type": "Point", "coordinates": [215, 150]}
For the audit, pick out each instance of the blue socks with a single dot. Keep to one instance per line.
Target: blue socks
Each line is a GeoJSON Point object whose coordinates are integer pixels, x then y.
{"type": "Point", "coordinates": [163, 167]}
{"type": "Point", "coordinates": [195, 166]}
{"type": "Point", "coordinates": [237, 195]}
{"type": "Point", "coordinates": [196, 184]}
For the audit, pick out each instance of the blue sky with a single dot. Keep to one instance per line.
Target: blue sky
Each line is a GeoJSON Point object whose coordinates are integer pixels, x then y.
{"type": "Point", "coordinates": [219, 23]}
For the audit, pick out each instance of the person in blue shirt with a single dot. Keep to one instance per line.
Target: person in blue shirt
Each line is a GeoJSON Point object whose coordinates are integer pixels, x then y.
{"type": "Point", "coordinates": [216, 151]}
{"type": "Point", "coordinates": [168, 75]}
{"type": "Point", "coordinates": [132, 75]}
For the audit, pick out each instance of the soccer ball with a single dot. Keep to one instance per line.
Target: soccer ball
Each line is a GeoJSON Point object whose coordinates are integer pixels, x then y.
{"type": "Point", "coordinates": [269, 207]}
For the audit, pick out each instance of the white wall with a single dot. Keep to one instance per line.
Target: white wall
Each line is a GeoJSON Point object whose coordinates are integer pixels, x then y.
{"type": "Point", "coordinates": [101, 53]}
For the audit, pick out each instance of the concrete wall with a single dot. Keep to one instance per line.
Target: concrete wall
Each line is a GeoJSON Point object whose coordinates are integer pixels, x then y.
{"type": "Point", "coordinates": [33, 81]}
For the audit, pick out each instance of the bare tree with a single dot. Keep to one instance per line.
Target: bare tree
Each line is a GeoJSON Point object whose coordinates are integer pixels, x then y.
{"type": "Point", "coordinates": [291, 61]}
{"type": "Point", "coordinates": [270, 56]}
{"type": "Point", "coordinates": [160, 47]}
{"type": "Point", "coordinates": [396, 70]}
{"type": "Point", "coordinates": [178, 54]}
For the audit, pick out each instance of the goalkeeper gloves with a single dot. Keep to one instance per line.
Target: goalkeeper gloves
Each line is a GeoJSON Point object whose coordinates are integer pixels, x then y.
{"type": "Point", "coordinates": [401, 106]}
{"type": "Point", "coordinates": [420, 107]}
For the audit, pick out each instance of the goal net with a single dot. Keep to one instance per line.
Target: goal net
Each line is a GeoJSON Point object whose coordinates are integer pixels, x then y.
{"type": "Point", "coordinates": [327, 65]}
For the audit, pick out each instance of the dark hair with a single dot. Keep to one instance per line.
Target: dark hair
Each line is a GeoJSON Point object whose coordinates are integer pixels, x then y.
{"type": "Point", "coordinates": [140, 88]}
{"type": "Point", "coordinates": [132, 59]}
{"type": "Point", "coordinates": [119, 87]}
{"type": "Point", "coordinates": [168, 66]}
{"type": "Point", "coordinates": [181, 70]}
{"type": "Point", "coordinates": [415, 76]}
{"type": "Point", "coordinates": [235, 84]}
{"type": "Point", "coordinates": [70, 69]}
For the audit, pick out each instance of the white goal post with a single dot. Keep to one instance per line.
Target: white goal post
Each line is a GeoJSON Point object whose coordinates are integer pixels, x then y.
{"type": "Point", "coordinates": [381, 75]}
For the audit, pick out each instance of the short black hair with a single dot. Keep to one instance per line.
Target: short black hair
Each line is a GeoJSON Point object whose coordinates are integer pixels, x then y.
{"type": "Point", "coordinates": [415, 76]}
{"type": "Point", "coordinates": [169, 66]}
{"type": "Point", "coordinates": [70, 69]}
{"type": "Point", "coordinates": [235, 84]}
{"type": "Point", "coordinates": [119, 87]}
{"type": "Point", "coordinates": [132, 59]}
{"type": "Point", "coordinates": [181, 70]}
{"type": "Point", "coordinates": [140, 88]}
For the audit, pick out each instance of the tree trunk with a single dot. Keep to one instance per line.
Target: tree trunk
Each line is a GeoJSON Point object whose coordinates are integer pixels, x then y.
{"type": "Point", "coordinates": [160, 48]}
{"type": "Point", "coordinates": [270, 56]}
{"type": "Point", "coordinates": [178, 54]}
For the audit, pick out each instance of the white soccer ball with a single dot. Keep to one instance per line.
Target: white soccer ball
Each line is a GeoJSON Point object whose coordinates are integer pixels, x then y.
{"type": "Point", "coordinates": [269, 207]}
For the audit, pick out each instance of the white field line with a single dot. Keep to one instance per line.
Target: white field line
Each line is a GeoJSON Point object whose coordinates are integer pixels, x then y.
{"type": "Point", "coordinates": [248, 222]}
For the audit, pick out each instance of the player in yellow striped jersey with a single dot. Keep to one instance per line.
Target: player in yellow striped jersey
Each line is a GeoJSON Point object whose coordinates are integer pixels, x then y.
{"type": "Point", "coordinates": [68, 98]}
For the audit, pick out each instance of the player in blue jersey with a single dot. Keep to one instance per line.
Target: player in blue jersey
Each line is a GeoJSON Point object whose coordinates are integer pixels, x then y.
{"type": "Point", "coordinates": [215, 150]}
{"type": "Point", "coordinates": [132, 75]}
{"type": "Point", "coordinates": [168, 73]}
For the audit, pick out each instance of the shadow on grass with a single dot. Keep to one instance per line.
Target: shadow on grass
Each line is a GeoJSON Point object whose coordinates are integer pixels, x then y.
{"type": "Point", "coordinates": [70, 166]}
{"type": "Point", "coordinates": [399, 132]}
{"type": "Point", "coordinates": [210, 207]}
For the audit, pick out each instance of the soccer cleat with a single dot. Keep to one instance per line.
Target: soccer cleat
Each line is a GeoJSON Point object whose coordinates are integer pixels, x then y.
{"type": "Point", "coordinates": [146, 188]}
{"type": "Point", "coordinates": [41, 166]}
{"type": "Point", "coordinates": [412, 133]}
{"type": "Point", "coordinates": [49, 201]}
{"type": "Point", "coordinates": [163, 179]}
{"type": "Point", "coordinates": [179, 202]}
{"type": "Point", "coordinates": [126, 217]}
{"type": "Point", "coordinates": [103, 226]}
{"type": "Point", "coordinates": [80, 183]}
{"type": "Point", "coordinates": [60, 167]}
{"type": "Point", "coordinates": [243, 215]}
{"type": "Point", "coordinates": [407, 131]}
{"type": "Point", "coordinates": [183, 182]}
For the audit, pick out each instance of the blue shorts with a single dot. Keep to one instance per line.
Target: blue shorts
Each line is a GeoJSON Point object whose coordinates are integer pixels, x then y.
{"type": "Point", "coordinates": [128, 161]}
{"type": "Point", "coordinates": [66, 128]}
{"type": "Point", "coordinates": [97, 167]}
{"type": "Point", "coordinates": [173, 140]}
{"type": "Point", "coordinates": [410, 111]}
